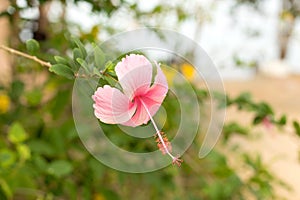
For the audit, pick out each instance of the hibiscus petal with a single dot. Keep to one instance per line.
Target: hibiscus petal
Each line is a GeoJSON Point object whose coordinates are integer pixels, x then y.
{"type": "Point", "coordinates": [152, 99]}
{"type": "Point", "coordinates": [112, 106]}
{"type": "Point", "coordinates": [140, 117]}
{"type": "Point", "coordinates": [134, 73]}
{"type": "Point", "coordinates": [151, 105]}
{"type": "Point", "coordinates": [159, 89]}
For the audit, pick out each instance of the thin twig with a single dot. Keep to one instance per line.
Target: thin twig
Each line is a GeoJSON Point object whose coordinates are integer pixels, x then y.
{"type": "Point", "coordinates": [19, 53]}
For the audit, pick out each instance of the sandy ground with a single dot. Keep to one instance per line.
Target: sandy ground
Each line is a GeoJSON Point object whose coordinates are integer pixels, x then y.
{"type": "Point", "coordinates": [280, 149]}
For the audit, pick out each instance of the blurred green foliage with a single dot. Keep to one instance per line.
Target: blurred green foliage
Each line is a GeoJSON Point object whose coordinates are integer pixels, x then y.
{"type": "Point", "coordinates": [42, 157]}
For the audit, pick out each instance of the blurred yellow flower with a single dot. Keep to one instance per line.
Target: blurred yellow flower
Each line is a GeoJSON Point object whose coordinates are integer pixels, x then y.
{"type": "Point", "coordinates": [188, 71]}
{"type": "Point", "coordinates": [98, 196]}
{"type": "Point", "coordinates": [4, 103]}
{"type": "Point", "coordinates": [287, 16]}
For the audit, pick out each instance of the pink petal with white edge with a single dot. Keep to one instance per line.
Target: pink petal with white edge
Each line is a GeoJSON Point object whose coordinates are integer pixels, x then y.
{"type": "Point", "coordinates": [140, 117]}
{"type": "Point", "coordinates": [152, 100]}
{"type": "Point", "coordinates": [111, 106]}
{"type": "Point", "coordinates": [159, 89]}
{"type": "Point", "coordinates": [134, 73]}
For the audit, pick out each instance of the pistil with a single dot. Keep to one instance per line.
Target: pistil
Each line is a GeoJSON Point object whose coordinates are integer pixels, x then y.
{"type": "Point", "coordinates": [162, 139]}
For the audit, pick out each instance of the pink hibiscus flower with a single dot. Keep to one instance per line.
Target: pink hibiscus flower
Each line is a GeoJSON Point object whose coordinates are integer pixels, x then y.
{"type": "Point", "coordinates": [139, 100]}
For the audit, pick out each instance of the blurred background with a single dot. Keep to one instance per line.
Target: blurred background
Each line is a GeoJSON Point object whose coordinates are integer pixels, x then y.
{"type": "Point", "coordinates": [255, 44]}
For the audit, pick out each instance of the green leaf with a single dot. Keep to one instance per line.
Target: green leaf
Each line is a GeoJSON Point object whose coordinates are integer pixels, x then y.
{"type": "Point", "coordinates": [102, 82]}
{"type": "Point", "coordinates": [34, 97]}
{"type": "Point", "coordinates": [264, 109]}
{"type": "Point", "coordinates": [41, 147]}
{"type": "Point", "coordinates": [17, 133]}
{"type": "Point", "coordinates": [112, 82]}
{"type": "Point", "coordinates": [58, 105]}
{"type": "Point", "coordinates": [62, 70]}
{"type": "Point", "coordinates": [80, 46]}
{"type": "Point", "coordinates": [157, 9]}
{"type": "Point", "coordinates": [83, 64]}
{"type": "Point", "coordinates": [5, 190]}
{"type": "Point", "coordinates": [233, 128]}
{"type": "Point", "coordinates": [3, 196]}
{"type": "Point", "coordinates": [61, 60]}
{"type": "Point", "coordinates": [17, 89]}
{"type": "Point", "coordinates": [7, 158]}
{"type": "Point", "coordinates": [77, 54]}
{"type": "Point", "coordinates": [109, 194]}
{"type": "Point", "coordinates": [60, 168]}
{"type": "Point", "coordinates": [99, 57]}
{"type": "Point", "coordinates": [97, 72]}
{"type": "Point", "coordinates": [282, 120]}
{"type": "Point", "coordinates": [296, 127]}
{"type": "Point", "coordinates": [40, 163]}
{"type": "Point", "coordinates": [96, 168]}
{"type": "Point", "coordinates": [70, 187]}
{"type": "Point", "coordinates": [57, 140]}
{"type": "Point", "coordinates": [32, 46]}
{"type": "Point", "coordinates": [24, 152]}
{"type": "Point", "coordinates": [257, 120]}
{"type": "Point", "coordinates": [109, 67]}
